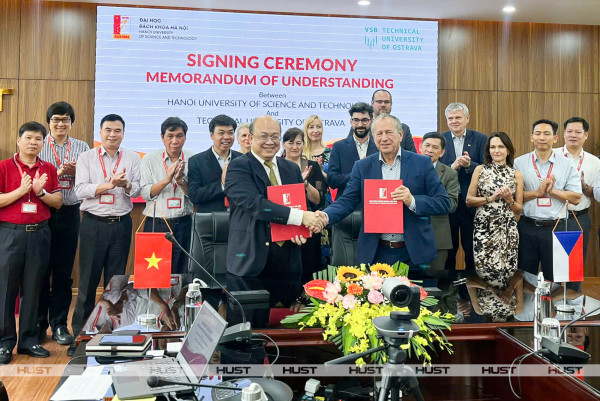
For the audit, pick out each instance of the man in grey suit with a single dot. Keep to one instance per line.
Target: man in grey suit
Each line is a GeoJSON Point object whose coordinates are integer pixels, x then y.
{"type": "Point", "coordinates": [434, 146]}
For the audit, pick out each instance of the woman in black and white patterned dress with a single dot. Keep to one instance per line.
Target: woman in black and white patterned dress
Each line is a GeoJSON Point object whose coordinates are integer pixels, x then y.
{"type": "Point", "coordinates": [497, 191]}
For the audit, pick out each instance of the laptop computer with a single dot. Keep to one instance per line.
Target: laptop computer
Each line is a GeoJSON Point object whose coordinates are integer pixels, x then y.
{"type": "Point", "coordinates": [130, 379]}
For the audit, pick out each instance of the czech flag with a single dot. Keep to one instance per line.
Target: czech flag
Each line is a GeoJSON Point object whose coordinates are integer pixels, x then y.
{"type": "Point", "coordinates": [567, 251]}
{"type": "Point", "coordinates": [152, 267]}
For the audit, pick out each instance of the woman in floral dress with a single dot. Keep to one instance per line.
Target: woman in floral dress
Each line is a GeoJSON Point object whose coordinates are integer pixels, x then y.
{"type": "Point", "coordinates": [497, 191]}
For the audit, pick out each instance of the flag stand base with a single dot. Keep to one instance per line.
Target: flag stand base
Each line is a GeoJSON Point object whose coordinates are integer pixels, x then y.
{"type": "Point", "coordinates": [148, 321]}
{"type": "Point", "coordinates": [564, 308]}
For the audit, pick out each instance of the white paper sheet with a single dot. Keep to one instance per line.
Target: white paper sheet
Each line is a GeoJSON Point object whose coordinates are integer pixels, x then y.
{"type": "Point", "coordinates": [88, 387]}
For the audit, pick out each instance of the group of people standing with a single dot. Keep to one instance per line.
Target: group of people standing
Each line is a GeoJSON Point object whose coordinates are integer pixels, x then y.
{"type": "Point", "coordinates": [465, 189]}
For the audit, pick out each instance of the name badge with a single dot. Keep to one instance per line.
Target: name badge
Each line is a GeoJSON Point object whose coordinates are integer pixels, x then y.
{"type": "Point", "coordinates": [174, 203]}
{"type": "Point", "coordinates": [544, 201]}
{"type": "Point", "coordinates": [29, 207]}
{"type": "Point", "coordinates": [64, 183]}
{"type": "Point", "coordinates": [107, 199]}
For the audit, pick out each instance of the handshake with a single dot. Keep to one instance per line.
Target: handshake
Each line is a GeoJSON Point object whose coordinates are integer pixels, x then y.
{"type": "Point", "coordinates": [315, 221]}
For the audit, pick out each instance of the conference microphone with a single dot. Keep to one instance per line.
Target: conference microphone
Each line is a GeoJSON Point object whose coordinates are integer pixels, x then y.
{"type": "Point", "coordinates": [155, 381]}
{"type": "Point", "coordinates": [239, 332]}
{"type": "Point", "coordinates": [564, 352]}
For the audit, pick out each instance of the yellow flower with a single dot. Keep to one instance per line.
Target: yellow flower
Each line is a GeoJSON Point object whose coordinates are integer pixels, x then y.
{"type": "Point", "coordinates": [383, 269]}
{"type": "Point", "coordinates": [347, 273]}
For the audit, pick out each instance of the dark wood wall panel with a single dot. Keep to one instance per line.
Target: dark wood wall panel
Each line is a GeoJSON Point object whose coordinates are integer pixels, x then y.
{"type": "Point", "coordinates": [9, 32]}
{"type": "Point", "coordinates": [482, 108]}
{"type": "Point", "coordinates": [8, 120]}
{"type": "Point", "coordinates": [548, 58]}
{"type": "Point", "coordinates": [58, 40]}
{"type": "Point", "coordinates": [467, 55]}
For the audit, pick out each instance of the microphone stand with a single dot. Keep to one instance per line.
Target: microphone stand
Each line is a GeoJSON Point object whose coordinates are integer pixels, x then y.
{"type": "Point", "coordinates": [238, 332]}
{"type": "Point", "coordinates": [561, 352]}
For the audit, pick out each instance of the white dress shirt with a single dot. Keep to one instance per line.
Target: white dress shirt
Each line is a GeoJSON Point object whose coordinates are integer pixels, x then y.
{"type": "Point", "coordinates": [590, 165]}
{"type": "Point", "coordinates": [295, 218]}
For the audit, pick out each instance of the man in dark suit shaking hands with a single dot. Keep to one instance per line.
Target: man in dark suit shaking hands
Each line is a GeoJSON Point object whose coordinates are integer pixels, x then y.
{"type": "Point", "coordinates": [422, 194]}
{"type": "Point", "coordinates": [250, 252]}
{"type": "Point", "coordinates": [207, 170]}
{"type": "Point", "coordinates": [464, 152]}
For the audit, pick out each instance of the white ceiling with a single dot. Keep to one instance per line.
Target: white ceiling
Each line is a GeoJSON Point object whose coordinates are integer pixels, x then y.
{"type": "Point", "coordinates": [580, 12]}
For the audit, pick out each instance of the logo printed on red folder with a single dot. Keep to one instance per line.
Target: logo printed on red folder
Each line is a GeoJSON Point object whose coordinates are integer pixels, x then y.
{"type": "Point", "coordinates": [122, 27]}
{"type": "Point", "coordinates": [382, 193]}
{"type": "Point", "coordinates": [287, 200]}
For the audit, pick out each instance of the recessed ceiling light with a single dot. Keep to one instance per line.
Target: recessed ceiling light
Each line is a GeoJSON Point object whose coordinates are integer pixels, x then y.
{"type": "Point", "coordinates": [509, 9]}
{"type": "Point", "coordinates": [364, 2]}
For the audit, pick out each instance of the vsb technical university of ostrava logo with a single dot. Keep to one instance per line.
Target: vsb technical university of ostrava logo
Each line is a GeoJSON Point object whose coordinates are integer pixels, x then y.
{"type": "Point", "coordinates": [122, 27]}
{"type": "Point", "coordinates": [371, 41]}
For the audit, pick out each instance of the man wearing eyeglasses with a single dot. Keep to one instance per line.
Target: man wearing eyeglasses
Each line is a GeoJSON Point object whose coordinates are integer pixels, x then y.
{"type": "Point", "coordinates": [207, 169]}
{"type": "Point", "coordinates": [251, 252]}
{"type": "Point", "coordinates": [381, 101]}
{"type": "Point", "coordinates": [347, 151]}
{"type": "Point", "coordinates": [61, 150]}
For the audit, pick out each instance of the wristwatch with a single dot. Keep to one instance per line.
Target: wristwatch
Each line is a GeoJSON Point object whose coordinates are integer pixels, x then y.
{"type": "Point", "coordinates": [43, 193]}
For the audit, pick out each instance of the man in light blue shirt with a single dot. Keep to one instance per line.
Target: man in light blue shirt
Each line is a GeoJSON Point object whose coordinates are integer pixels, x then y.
{"type": "Point", "coordinates": [549, 182]}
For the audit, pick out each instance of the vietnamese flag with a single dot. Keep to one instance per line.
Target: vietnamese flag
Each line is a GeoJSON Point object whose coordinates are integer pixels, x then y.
{"type": "Point", "coordinates": [152, 267]}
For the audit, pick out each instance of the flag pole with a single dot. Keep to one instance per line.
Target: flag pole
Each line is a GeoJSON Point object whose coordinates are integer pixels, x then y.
{"type": "Point", "coordinates": [564, 308]}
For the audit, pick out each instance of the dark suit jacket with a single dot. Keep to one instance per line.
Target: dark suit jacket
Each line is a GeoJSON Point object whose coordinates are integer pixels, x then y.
{"type": "Point", "coordinates": [204, 181]}
{"type": "Point", "coordinates": [475, 145]}
{"type": "Point", "coordinates": [407, 142]}
{"type": "Point", "coordinates": [342, 159]}
{"type": "Point", "coordinates": [419, 176]}
{"type": "Point", "coordinates": [441, 223]}
{"type": "Point", "coordinates": [251, 214]}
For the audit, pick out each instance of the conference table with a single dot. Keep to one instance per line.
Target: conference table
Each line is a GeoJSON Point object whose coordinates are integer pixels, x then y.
{"type": "Point", "coordinates": [486, 348]}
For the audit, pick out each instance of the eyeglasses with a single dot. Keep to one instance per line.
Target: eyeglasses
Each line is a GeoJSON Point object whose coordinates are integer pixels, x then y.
{"type": "Point", "coordinates": [265, 138]}
{"type": "Point", "coordinates": [360, 120]}
{"type": "Point", "coordinates": [64, 120]}
{"type": "Point", "coordinates": [383, 101]}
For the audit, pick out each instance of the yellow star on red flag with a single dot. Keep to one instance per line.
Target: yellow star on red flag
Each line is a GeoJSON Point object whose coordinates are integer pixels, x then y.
{"type": "Point", "coordinates": [153, 261]}
{"type": "Point", "coordinates": [147, 271]}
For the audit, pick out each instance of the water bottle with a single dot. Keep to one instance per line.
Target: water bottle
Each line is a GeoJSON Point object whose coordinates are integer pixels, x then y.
{"type": "Point", "coordinates": [193, 300]}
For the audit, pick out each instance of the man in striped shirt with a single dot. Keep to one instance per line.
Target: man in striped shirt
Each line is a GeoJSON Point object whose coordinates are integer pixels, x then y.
{"type": "Point", "coordinates": [61, 150]}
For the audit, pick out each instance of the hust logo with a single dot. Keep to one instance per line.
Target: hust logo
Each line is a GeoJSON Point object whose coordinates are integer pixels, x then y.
{"type": "Point", "coordinates": [121, 27]}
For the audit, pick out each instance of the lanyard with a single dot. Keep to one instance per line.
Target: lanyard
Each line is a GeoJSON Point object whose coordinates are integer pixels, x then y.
{"type": "Point", "coordinates": [536, 169]}
{"type": "Point", "coordinates": [21, 173]}
{"type": "Point", "coordinates": [166, 169]}
{"type": "Point", "coordinates": [102, 162]}
{"type": "Point", "coordinates": [67, 152]}
{"type": "Point", "coordinates": [580, 161]}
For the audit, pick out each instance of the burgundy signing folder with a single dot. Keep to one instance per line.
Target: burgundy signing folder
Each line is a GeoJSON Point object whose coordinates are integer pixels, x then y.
{"type": "Point", "coordinates": [382, 214]}
{"type": "Point", "coordinates": [291, 195]}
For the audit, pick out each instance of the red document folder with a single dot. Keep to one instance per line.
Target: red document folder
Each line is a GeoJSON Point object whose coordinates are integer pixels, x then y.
{"type": "Point", "coordinates": [291, 195]}
{"type": "Point", "coordinates": [382, 214]}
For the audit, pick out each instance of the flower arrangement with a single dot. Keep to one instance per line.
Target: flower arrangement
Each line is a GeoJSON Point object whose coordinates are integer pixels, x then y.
{"type": "Point", "coordinates": [346, 299]}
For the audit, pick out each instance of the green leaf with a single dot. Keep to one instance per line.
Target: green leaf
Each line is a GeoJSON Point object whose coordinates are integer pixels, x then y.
{"type": "Point", "coordinates": [316, 301]}
{"type": "Point", "coordinates": [348, 339]}
{"type": "Point", "coordinates": [429, 301]}
{"type": "Point", "coordinates": [431, 320]}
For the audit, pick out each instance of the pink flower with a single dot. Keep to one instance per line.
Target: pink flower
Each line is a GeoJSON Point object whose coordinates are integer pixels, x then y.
{"type": "Point", "coordinates": [349, 301]}
{"type": "Point", "coordinates": [372, 281]}
{"type": "Point", "coordinates": [404, 280]}
{"type": "Point", "coordinates": [375, 297]}
{"type": "Point", "coordinates": [332, 291]}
